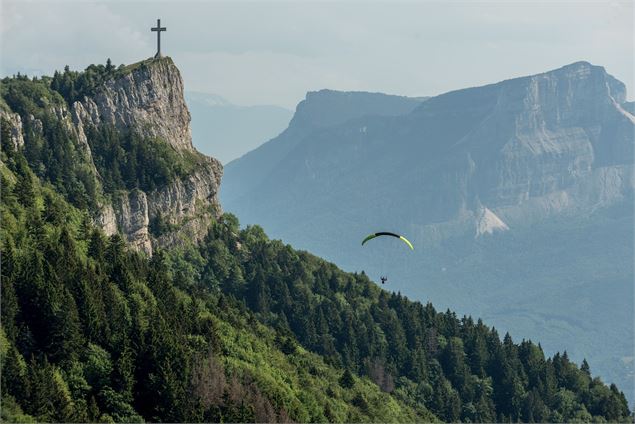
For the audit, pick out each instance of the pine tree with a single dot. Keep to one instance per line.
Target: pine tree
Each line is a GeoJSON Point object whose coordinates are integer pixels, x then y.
{"type": "Point", "coordinates": [97, 246]}
{"type": "Point", "coordinates": [24, 190]}
{"type": "Point", "coordinates": [50, 397]}
{"type": "Point", "coordinates": [14, 376]}
{"type": "Point", "coordinates": [109, 66]}
{"type": "Point", "coordinates": [9, 307]}
{"type": "Point", "coordinates": [347, 380]}
{"type": "Point", "coordinates": [585, 367]}
{"type": "Point", "coordinates": [65, 330]}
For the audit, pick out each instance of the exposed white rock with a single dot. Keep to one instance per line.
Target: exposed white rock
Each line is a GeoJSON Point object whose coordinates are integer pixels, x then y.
{"type": "Point", "coordinates": [188, 204]}
{"type": "Point", "coordinates": [149, 99]}
{"type": "Point", "coordinates": [15, 128]}
{"type": "Point", "coordinates": [487, 223]}
{"type": "Point", "coordinates": [131, 211]}
{"type": "Point", "coordinates": [107, 219]}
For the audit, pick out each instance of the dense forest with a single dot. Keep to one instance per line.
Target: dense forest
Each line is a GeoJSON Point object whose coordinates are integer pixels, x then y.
{"type": "Point", "coordinates": [237, 328]}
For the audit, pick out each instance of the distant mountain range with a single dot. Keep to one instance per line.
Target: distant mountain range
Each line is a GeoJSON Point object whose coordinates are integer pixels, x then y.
{"type": "Point", "coordinates": [227, 131]}
{"type": "Point", "coordinates": [517, 195]}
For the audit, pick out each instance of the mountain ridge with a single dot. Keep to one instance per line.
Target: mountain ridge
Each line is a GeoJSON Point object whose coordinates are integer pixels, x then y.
{"type": "Point", "coordinates": [552, 147]}
{"type": "Point", "coordinates": [590, 140]}
{"type": "Point", "coordinates": [366, 103]}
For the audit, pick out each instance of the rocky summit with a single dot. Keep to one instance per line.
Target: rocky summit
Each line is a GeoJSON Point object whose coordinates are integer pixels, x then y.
{"type": "Point", "coordinates": [149, 98]}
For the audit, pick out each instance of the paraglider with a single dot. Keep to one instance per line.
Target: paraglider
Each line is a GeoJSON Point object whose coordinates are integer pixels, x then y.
{"type": "Point", "coordinates": [385, 233]}
{"type": "Point", "coordinates": [384, 278]}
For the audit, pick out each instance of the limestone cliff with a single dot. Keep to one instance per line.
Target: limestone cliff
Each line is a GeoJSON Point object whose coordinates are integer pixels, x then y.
{"type": "Point", "coordinates": [524, 149]}
{"type": "Point", "coordinates": [532, 147]}
{"type": "Point", "coordinates": [187, 205]}
{"type": "Point", "coordinates": [15, 128]}
{"type": "Point", "coordinates": [146, 99]}
{"type": "Point", "coordinates": [149, 99]}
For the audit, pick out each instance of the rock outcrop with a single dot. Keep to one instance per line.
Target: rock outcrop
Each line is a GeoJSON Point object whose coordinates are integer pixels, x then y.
{"type": "Point", "coordinates": [487, 223]}
{"type": "Point", "coordinates": [149, 100]}
{"type": "Point", "coordinates": [146, 98]}
{"type": "Point", "coordinates": [186, 206]}
{"type": "Point", "coordinates": [15, 128]}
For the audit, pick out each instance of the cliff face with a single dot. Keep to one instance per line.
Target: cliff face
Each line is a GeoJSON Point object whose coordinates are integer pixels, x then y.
{"type": "Point", "coordinates": [145, 98]}
{"type": "Point", "coordinates": [187, 205]}
{"type": "Point", "coordinates": [15, 128]}
{"type": "Point", "coordinates": [149, 99]}
{"type": "Point", "coordinates": [327, 108]}
{"type": "Point", "coordinates": [525, 149]}
{"type": "Point", "coordinates": [530, 147]}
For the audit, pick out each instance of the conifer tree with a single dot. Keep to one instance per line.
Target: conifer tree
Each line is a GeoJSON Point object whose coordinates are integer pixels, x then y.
{"type": "Point", "coordinates": [347, 380]}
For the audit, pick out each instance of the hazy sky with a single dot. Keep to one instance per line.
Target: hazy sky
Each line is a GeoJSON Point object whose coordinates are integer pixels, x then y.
{"type": "Point", "coordinates": [274, 52]}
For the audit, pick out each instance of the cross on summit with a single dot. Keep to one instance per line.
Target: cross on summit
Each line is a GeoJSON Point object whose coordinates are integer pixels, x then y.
{"type": "Point", "coordinates": [158, 30]}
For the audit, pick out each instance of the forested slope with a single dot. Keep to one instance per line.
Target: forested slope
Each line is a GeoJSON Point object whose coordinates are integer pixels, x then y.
{"type": "Point", "coordinates": [92, 331]}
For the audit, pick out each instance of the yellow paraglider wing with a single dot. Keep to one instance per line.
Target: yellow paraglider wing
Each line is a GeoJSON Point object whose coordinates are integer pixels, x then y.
{"type": "Point", "coordinates": [384, 233]}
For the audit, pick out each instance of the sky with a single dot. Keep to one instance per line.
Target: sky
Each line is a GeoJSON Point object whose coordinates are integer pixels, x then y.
{"type": "Point", "coordinates": [264, 52]}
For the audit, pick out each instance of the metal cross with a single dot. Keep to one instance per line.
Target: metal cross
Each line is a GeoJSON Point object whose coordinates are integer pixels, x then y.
{"type": "Point", "coordinates": [158, 30]}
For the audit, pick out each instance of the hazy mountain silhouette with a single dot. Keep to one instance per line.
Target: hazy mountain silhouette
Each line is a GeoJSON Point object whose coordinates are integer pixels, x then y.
{"type": "Point", "coordinates": [227, 131]}
{"type": "Point", "coordinates": [518, 197]}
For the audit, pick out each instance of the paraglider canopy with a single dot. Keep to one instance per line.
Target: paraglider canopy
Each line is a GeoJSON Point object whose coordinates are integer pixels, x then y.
{"type": "Point", "coordinates": [385, 233]}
